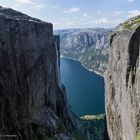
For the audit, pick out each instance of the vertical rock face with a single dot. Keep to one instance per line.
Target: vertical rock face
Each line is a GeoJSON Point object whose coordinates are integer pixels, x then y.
{"type": "Point", "coordinates": [32, 99]}
{"type": "Point", "coordinates": [123, 82]}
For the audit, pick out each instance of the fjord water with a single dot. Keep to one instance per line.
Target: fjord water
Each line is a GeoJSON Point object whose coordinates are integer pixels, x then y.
{"type": "Point", "coordinates": [85, 89]}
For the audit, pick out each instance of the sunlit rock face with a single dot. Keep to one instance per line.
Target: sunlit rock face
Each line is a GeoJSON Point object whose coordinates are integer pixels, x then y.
{"type": "Point", "coordinates": [32, 98]}
{"type": "Point", "coordinates": [123, 83]}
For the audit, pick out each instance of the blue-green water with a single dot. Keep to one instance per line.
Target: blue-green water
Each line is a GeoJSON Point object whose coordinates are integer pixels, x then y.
{"type": "Point", "coordinates": [85, 89]}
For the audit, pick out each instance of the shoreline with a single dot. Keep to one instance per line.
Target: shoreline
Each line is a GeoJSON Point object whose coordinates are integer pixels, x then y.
{"type": "Point", "coordinates": [82, 65]}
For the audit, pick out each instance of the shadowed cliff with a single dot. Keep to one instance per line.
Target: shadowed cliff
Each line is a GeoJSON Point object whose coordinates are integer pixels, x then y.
{"type": "Point", "coordinates": [32, 98]}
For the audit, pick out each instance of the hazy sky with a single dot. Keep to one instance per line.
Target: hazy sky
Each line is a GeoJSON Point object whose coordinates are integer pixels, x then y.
{"type": "Point", "coordinates": [77, 13]}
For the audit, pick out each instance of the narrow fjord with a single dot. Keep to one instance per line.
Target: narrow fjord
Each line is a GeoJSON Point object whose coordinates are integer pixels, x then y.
{"type": "Point", "coordinates": [85, 89]}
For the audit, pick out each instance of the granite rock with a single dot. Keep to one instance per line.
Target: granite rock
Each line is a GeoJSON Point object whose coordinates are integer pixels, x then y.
{"type": "Point", "coordinates": [122, 83]}
{"type": "Point", "coordinates": [32, 97]}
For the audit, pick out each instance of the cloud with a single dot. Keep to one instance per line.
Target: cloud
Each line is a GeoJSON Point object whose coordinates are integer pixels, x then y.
{"type": "Point", "coordinates": [101, 21]}
{"type": "Point", "coordinates": [55, 6]}
{"type": "Point", "coordinates": [133, 13]}
{"type": "Point", "coordinates": [39, 6]}
{"type": "Point", "coordinates": [116, 21]}
{"type": "Point", "coordinates": [68, 23]}
{"type": "Point", "coordinates": [105, 21]}
{"type": "Point", "coordinates": [25, 1]}
{"type": "Point", "coordinates": [72, 10]}
{"type": "Point", "coordinates": [99, 13]}
{"type": "Point", "coordinates": [118, 12]}
{"type": "Point", "coordinates": [130, 0]}
{"type": "Point", "coordinates": [85, 15]}
{"type": "Point", "coordinates": [64, 24]}
{"type": "Point", "coordinates": [77, 22]}
{"type": "Point", "coordinates": [35, 5]}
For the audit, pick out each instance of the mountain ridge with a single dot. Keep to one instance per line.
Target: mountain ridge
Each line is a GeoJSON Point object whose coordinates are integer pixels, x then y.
{"type": "Point", "coordinates": [88, 45]}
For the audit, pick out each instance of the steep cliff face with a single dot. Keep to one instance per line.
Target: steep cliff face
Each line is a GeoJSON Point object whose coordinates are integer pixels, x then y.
{"type": "Point", "coordinates": [89, 46]}
{"type": "Point", "coordinates": [123, 82]}
{"type": "Point", "coordinates": [32, 98]}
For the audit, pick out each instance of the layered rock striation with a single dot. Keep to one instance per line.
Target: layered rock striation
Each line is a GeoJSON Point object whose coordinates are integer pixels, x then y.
{"type": "Point", "coordinates": [32, 97]}
{"type": "Point", "coordinates": [123, 82]}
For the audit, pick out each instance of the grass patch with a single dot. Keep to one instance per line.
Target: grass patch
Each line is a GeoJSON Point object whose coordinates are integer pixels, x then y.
{"type": "Point", "coordinates": [127, 26]}
{"type": "Point", "coordinates": [132, 23]}
{"type": "Point", "coordinates": [93, 117]}
{"type": "Point", "coordinates": [109, 110]}
{"type": "Point", "coordinates": [138, 136]}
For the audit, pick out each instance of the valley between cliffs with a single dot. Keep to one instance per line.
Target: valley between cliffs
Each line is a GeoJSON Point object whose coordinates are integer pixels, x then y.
{"type": "Point", "coordinates": [88, 46]}
{"type": "Point", "coordinates": [33, 103]}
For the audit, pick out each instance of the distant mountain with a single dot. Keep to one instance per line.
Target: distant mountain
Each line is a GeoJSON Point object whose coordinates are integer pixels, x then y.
{"type": "Point", "coordinates": [89, 46]}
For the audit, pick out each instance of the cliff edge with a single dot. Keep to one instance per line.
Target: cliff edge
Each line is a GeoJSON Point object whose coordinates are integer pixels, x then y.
{"type": "Point", "coordinates": [32, 98]}
{"type": "Point", "coordinates": [123, 82]}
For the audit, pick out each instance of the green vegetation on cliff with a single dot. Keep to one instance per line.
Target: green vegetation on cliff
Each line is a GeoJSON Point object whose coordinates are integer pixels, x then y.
{"type": "Point", "coordinates": [92, 127]}
{"type": "Point", "coordinates": [138, 136]}
{"type": "Point", "coordinates": [93, 117]}
{"type": "Point", "coordinates": [131, 23]}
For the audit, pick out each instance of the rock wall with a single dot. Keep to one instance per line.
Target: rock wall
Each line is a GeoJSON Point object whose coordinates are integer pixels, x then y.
{"type": "Point", "coordinates": [123, 83]}
{"type": "Point", "coordinates": [32, 98]}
